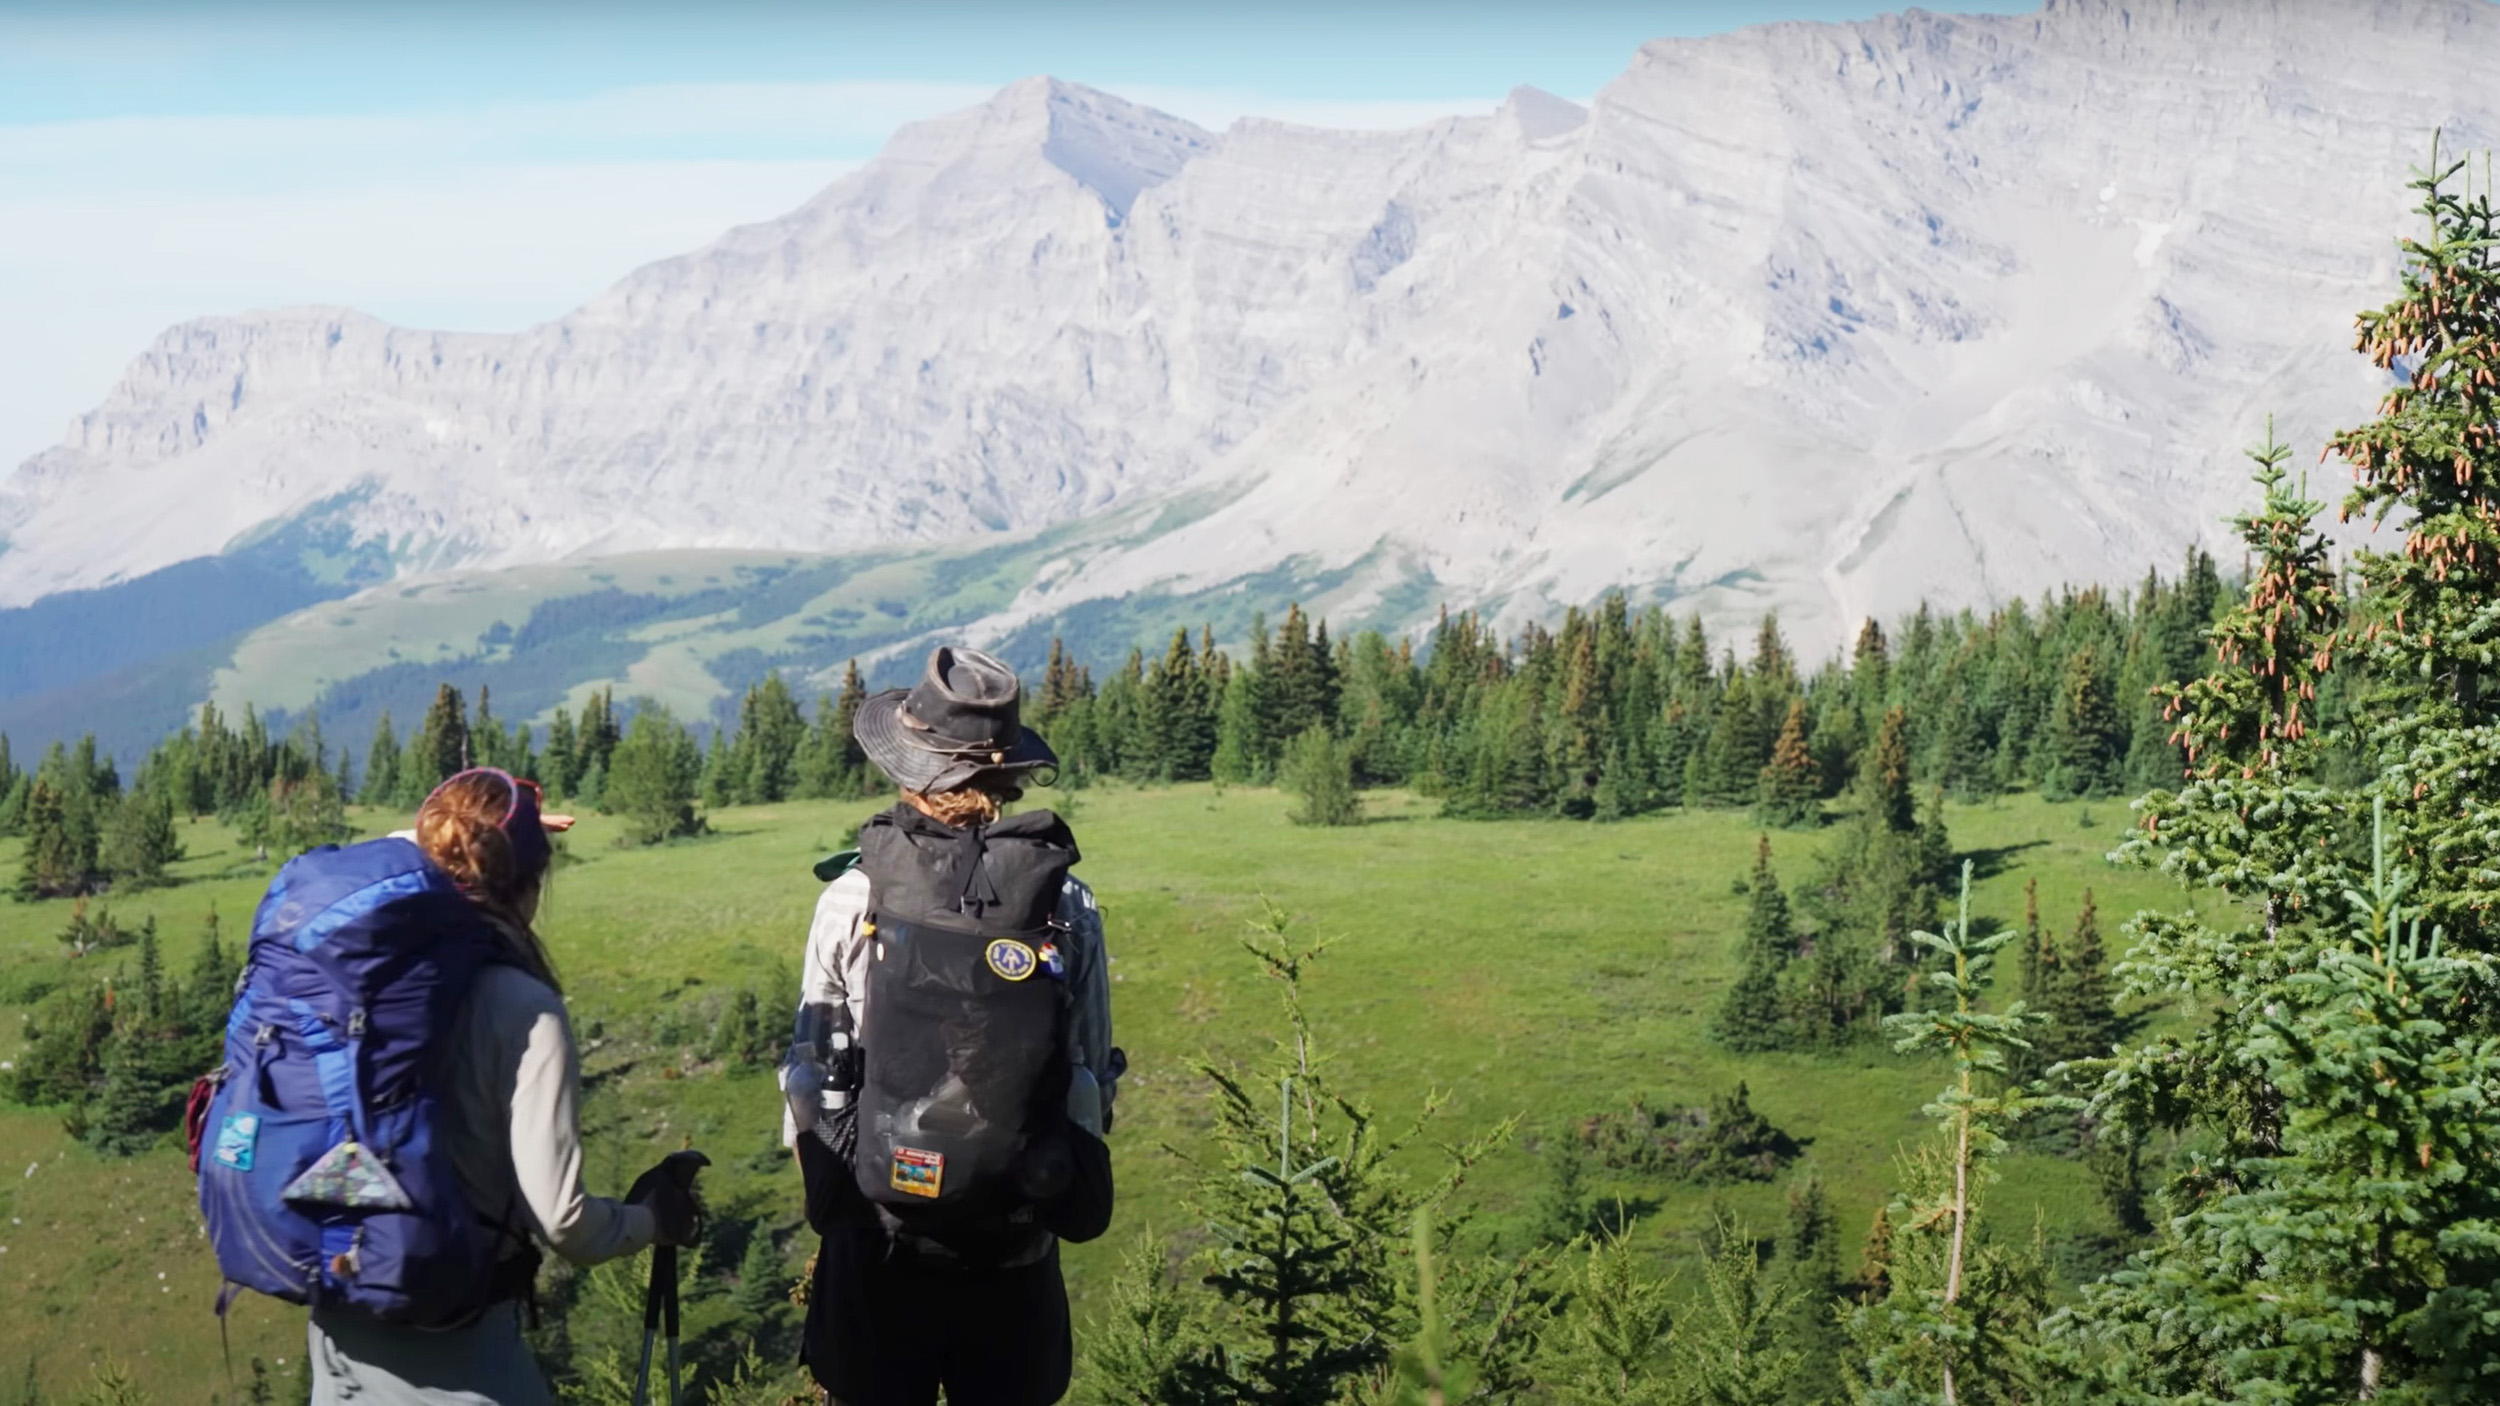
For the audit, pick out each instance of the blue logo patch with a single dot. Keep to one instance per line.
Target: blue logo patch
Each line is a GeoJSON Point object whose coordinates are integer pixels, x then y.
{"type": "Point", "coordinates": [235, 1139]}
{"type": "Point", "coordinates": [1011, 959]}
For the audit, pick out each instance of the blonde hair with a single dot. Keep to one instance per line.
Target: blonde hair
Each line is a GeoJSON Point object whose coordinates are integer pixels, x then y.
{"type": "Point", "coordinates": [460, 828]}
{"type": "Point", "coordinates": [975, 803]}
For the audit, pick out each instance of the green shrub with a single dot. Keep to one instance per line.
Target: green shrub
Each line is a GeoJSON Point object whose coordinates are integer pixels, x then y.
{"type": "Point", "coordinates": [1320, 772]}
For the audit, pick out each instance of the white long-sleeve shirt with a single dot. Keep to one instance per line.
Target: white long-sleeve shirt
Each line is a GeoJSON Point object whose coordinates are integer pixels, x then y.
{"type": "Point", "coordinates": [836, 976]}
{"type": "Point", "coordinates": [514, 1131]}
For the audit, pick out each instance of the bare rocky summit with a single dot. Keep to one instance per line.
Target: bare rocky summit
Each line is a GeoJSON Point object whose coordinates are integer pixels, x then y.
{"type": "Point", "coordinates": [1826, 318]}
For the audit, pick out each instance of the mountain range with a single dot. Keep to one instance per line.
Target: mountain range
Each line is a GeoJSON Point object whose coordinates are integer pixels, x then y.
{"type": "Point", "coordinates": [1826, 319]}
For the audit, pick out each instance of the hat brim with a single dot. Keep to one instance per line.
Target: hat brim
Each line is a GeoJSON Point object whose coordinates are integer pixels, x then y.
{"type": "Point", "coordinates": [897, 750]}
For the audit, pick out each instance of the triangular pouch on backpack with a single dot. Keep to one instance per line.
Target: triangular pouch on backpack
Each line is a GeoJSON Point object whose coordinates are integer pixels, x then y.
{"type": "Point", "coordinates": [351, 1177]}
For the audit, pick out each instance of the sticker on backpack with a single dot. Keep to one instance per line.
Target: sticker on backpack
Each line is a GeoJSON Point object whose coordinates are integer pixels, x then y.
{"type": "Point", "coordinates": [1011, 959]}
{"type": "Point", "coordinates": [235, 1139]}
{"type": "Point", "coordinates": [918, 1173]}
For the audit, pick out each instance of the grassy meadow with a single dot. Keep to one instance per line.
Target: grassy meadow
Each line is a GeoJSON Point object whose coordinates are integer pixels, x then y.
{"type": "Point", "coordinates": [1545, 969]}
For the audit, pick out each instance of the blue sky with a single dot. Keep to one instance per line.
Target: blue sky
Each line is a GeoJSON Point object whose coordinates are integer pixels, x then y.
{"type": "Point", "coordinates": [490, 166]}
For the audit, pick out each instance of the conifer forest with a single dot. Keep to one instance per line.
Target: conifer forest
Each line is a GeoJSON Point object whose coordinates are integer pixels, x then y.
{"type": "Point", "coordinates": [2285, 1083]}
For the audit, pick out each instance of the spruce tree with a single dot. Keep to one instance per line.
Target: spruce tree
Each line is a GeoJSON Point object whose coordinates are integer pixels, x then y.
{"type": "Point", "coordinates": [13, 792]}
{"type": "Point", "coordinates": [771, 730]}
{"type": "Point", "coordinates": [2323, 1039]}
{"type": "Point", "coordinates": [2085, 732]}
{"type": "Point", "coordinates": [1750, 1016]}
{"type": "Point", "coordinates": [1791, 787]}
{"type": "Point", "coordinates": [1580, 721]}
{"type": "Point", "coordinates": [656, 770]}
{"type": "Point", "coordinates": [1613, 1349]}
{"type": "Point", "coordinates": [140, 842]}
{"type": "Point", "coordinates": [13, 805]}
{"type": "Point", "coordinates": [2077, 996]}
{"type": "Point", "coordinates": [562, 764]}
{"type": "Point", "coordinates": [1151, 1345]}
{"type": "Point", "coordinates": [2353, 1259]}
{"type": "Point", "coordinates": [1236, 731]}
{"type": "Point", "coordinates": [820, 754]}
{"type": "Point", "coordinates": [601, 729]}
{"type": "Point", "coordinates": [1308, 1217]}
{"type": "Point", "coordinates": [1116, 733]}
{"type": "Point", "coordinates": [2036, 974]}
{"type": "Point", "coordinates": [1730, 1349]}
{"type": "Point", "coordinates": [2432, 459]}
{"type": "Point", "coordinates": [1963, 760]}
{"type": "Point", "coordinates": [724, 774]}
{"type": "Point", "coordinates": [1064, 684]}
{"type": "Point", "coordinates": [740, 1037]}
{"type": "Point", "coordinates": [441, 746]}
{"type": "Point", "coordinates": [1880, 876]}
{"type": "Point", "coordinates": [146, 1065]}
{"type": "Point", "coordinates": [1955, 1321]}
{"type": "Point", "coordinates": [1870, 677]}
{"type": "Point", "coordinates": [1561, 1212]}
{"type": "Point", "coordinates": [761, 1302]}
{"type": "Point", "coordinates": [1177, 715]}
{"type": "Point", "coordinates": [1874, 1280]}
{"type": "Point", "coordinates": [207, 996]}
{"type": "Point", "coordinates": [130, 1113]}
{"type": "Point", "coordinates": [1732, 758]}
{"type": "Point", "coordinates": [1379, 697]}
{"type": "Point", "coordinates": [831, 766]}
{"type": "Point", "coordinates": [55, 865]}
{"type": "Point", "coordinates": [1809, 1252]}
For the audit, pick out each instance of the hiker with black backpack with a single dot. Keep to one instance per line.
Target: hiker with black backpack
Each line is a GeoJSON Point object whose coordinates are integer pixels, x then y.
{"type": "Point", "coordinates": [951, 1076]}
{"type": "Point", "coordinates": [395, 1129]}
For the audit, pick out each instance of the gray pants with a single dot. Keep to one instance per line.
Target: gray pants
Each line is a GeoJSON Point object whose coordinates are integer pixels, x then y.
{"type": "Point", "coordinates": [357, 1361]}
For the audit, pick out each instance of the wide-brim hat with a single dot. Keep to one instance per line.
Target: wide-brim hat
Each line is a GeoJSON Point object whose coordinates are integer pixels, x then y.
{"type": "Point", "coordinates": [960, 722]}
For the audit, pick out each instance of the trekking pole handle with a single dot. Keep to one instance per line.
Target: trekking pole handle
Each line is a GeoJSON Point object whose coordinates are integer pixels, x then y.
{"type": "Point", "coordinates": [682, 1166]}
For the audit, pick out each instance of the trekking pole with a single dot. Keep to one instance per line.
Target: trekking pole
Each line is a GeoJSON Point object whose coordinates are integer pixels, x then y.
{"type": "Point", "coordinates": [663, 1280]}
{"type": "Point", "coordinates": [659, 1303]}
{"type": "Point", "coordinates": [668, 1311]}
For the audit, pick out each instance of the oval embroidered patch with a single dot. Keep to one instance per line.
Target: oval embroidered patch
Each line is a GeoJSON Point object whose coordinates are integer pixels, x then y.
{"type": "Point", "coordinates": [1011, 959]}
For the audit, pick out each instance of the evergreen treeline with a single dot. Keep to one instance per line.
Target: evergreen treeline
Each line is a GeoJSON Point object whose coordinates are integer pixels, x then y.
{"type": "Point", "coordinates": [1617, 711]}
{"type": "Point", "coordinates": [1612, 713]}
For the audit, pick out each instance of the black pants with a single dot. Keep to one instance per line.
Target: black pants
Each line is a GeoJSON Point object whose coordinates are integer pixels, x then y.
{"type": "Point", "coordinates": [889, 1327]}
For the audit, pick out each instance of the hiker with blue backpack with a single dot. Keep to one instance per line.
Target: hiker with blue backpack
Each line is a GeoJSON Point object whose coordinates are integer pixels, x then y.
{"type": "Point", "coordinates": [395, 1130]}
{"type": "Point", "coordinates": [951, 1076]}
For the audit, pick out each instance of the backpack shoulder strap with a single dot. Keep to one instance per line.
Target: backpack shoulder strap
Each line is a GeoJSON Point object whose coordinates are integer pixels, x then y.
{"type": "Point", "coordinates": [1089, 993]}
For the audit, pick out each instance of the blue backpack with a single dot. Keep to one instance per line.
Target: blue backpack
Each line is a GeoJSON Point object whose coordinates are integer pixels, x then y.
{"type": "Point", "coordinates": [323, 1174]}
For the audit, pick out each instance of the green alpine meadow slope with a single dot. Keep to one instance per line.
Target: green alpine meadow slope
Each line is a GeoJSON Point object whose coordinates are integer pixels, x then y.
{"type": "Point", "coordinates": [1545, 970]}
{"type": "Point", "coordinates": [691, 629]}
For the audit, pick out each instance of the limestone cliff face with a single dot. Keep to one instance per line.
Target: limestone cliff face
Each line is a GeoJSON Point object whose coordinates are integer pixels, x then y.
{"type": "Point", "coordinates": [1818, 317]}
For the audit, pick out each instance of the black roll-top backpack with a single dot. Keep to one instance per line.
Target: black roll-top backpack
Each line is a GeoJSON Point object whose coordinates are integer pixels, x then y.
{"type": "Point", "coordinates": [967, 1025]}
